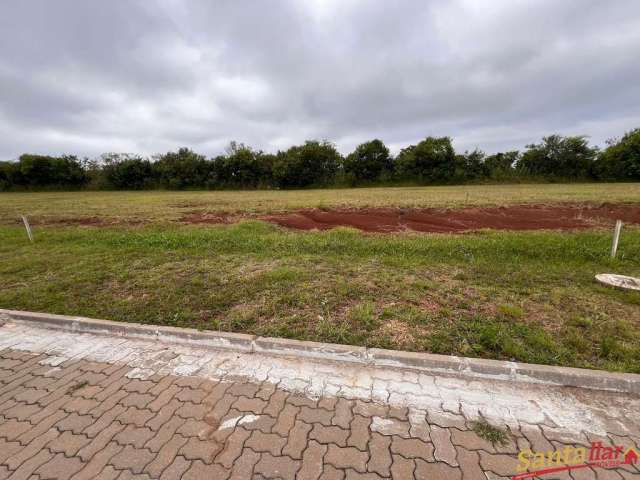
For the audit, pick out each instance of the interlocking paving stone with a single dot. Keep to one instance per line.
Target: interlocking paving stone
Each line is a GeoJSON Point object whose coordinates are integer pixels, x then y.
{"type": "Point", "coordinates": [199, 470]}
{"type": "Point", "coordinates": [134, 459]}
{"type": "Point", "coordinates": [277, 467]}
{"type": "Point", "coordinates": [312, 459]}
{"type": "Point", "coordinates": [233, 447]}
{"type": "Point", "coordinates": [165, 456]}
{"type": "Point", "coordinates": [30, 450]}
{"type": "Point", "coordinates": [266, 442]}
{"type": "Point", "coordinates": [286, 419]}
{"type": "Point", "coordinates": [98, 462]}
{"type": "Point", "coordinates": [327, 435]}
{"type": "Point", "coordinates": [139, 420]}
{"type": "Point", "coordinates": [174, 471]}
{"type": "Point", "coordinates": [7, 449]}
{"type": "Point", "coordinates": [297, 439]}
{"type": "Point", "coordinates": [28, 468]}
{"type": "Point", "coordinates": [100, 441]}
{"type": "Point", "coordinates": [347, 457]}
{"type": "Point", "coordinates": [69, 443]}
{"type": "Point", "coordinates": [136, 436]}
{"type": "Point", "coordinates": [444, 449]}
{"type": "Point", "coordinates": [203, 450]}
{"type": "Point", "coordinates": [412, 448]}
{"type": "Point", "coordinates": [277, 403]}
{"type": "Point", "coordinates": [332, 473]}
{"type": "Point", "coordinates": [439, 471]}
{"type": "Point", "coordinates": [244, 465]}
{"type": "Point", "coordinates": [12, 429]}
{"type": "Point", "coordinates": [380, 454]}
{"type": "Point", "coordinates": [60, 467]}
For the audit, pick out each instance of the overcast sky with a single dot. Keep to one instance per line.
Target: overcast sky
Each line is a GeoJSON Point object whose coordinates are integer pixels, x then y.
{"type": "Point", "coordinates": [88, 77]}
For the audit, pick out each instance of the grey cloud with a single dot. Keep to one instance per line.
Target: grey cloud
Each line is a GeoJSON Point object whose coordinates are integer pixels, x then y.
{"type": "Point", "coordinates": [89, 77]}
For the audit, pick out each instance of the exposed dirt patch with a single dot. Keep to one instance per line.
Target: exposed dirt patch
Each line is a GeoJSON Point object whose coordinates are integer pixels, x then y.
{"type": "Point", "coordinates": [517, 217]}
{"type": "Point", "coordinates": [83, 221]}
{"type": "Point", "coordinates": [62, 221]}
{"type": "Point", "coordinates": [459, 220]}
{"type": "Point", "coordinates": [74, 221]}
{"type": "Point", "coordinates": [186, 205]}
{"type": "Point", "coordinates": [211, 218]}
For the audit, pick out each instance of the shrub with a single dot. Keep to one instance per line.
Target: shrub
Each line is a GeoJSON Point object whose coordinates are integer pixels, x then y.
{"type": "Point", "coordinates": [557, 156]}
{"type": "Point", "coordinates": [501, 165]}
{"type": "Point", "coordinates": [470, 165]}
{"type": "Point", "coordinates": [46, 171]}
{"type": "Point", "coordinates": [621, 159]}
{"type": "Point", "coordinates": [182, 169]}
{"type": "Point", "coordinates": [127, 172]}
{"type": "Point", "coordinates": [7, 170]}
{"type": "Point", "coordinates": [69, 171]}
{"type": "Point", "coordinates": [36, 170]}
{"type": "Point", "coordinates": [242, 167]}
{"type": "Point", "coordinates": [431, 160]}
{"type": "Point", "coordinates": [314, 163]}
{"type": "Point", "coordinates": [369, 161]}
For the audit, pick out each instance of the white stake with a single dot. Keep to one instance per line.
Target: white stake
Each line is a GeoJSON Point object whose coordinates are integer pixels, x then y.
{"type": "Point", "coordinates": [27, 227]}
{"type": "Point", "coordinates": [616, 237]}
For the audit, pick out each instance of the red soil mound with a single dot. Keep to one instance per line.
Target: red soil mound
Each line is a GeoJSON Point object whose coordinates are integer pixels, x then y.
{"type": "Point", "coordinates": [522, 217]}
{"type": "Point", "coordinates": [516, 217]}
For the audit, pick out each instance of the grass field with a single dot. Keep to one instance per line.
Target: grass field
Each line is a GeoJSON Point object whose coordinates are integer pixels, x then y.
{"type": "Point", "coordinates": [163, 206]}
{"type": "Point", "coordinates": [528, 296]}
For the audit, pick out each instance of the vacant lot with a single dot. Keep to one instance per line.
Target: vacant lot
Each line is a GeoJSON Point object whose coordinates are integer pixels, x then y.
{"type": "Point", "coordinates": [164, 206]}
{"type": "Point", "coordinates": [528, 296]}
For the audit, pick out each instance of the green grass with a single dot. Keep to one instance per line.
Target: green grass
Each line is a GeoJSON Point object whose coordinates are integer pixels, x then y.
{"type": "Point", "coordinates": [165, 206]}
{"type": "Point", "coordinates": [489, 433]}
{"type": "Point", "coordinates": [526, 296]}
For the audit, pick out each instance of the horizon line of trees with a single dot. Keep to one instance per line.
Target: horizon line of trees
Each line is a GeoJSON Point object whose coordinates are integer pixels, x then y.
{"type": "Point", "coordinates": [319, 164]}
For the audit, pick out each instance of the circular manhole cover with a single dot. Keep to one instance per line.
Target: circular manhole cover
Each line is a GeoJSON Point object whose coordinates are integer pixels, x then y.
{"type": "Point", "coordinates": [619, 281]}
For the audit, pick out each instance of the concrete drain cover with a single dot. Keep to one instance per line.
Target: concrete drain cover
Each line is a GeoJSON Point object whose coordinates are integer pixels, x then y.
{"type": "Point", "coordinates": [619, 281]}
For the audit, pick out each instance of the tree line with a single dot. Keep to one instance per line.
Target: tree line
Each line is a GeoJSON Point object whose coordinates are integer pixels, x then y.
{"type": "Point", "coordinates": [319, 164]}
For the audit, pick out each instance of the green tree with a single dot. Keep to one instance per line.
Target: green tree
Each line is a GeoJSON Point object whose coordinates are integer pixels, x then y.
{"type": "Point", "coordinates": [6, 175]}
{"type": "Point", "coordinates": [501, 165]}
{"type": "Point", "coordinates": [242, 167]}
{"type": "Point", "coordinates": [621, 159]}
{"type": "Point", "coordinates": [36, 170]}
{"type": "Point", "coordinates": [558, 156]}
{"type": "Point", "coordinates": [369, 161]}
{"type": "Point", "coordinates": [10, 175]}
{"type": "Point", "coordinates": [470, 165]}
{"type": "Point", "coordinates": [182, 169]}
{"type": "Point", "coordinates": [314, 163]}
{"type": "Point", "coordinates": [47, 171]}
{"type": "Point", "coordinates": [431, 160]}
{"type": "Point", "coordinates": [69, 171]}
{"type": "Point", "coordinates": [127, 172]}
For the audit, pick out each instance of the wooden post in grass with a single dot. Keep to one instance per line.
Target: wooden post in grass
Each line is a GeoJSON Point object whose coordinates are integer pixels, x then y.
{"type": "Point", "coordinates": [27, 227]}
{"type": "Point", "coordinates": [616, 237]}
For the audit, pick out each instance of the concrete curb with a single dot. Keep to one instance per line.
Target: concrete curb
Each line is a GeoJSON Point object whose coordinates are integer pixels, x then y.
{"type": "Point", "coordinates": [374, 357]}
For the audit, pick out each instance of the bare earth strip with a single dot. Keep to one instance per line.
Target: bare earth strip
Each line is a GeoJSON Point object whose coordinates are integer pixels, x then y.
{"type": "Point", "coordinates": [459, 220]}
{"type": "Point", "coordinates": [168, 206]}
{"type": "Point", "coordinates": [94, 406]}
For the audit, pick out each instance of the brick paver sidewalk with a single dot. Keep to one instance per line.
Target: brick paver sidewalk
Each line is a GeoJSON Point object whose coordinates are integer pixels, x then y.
{"type": "Point", "coordinates": [81, 418]}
